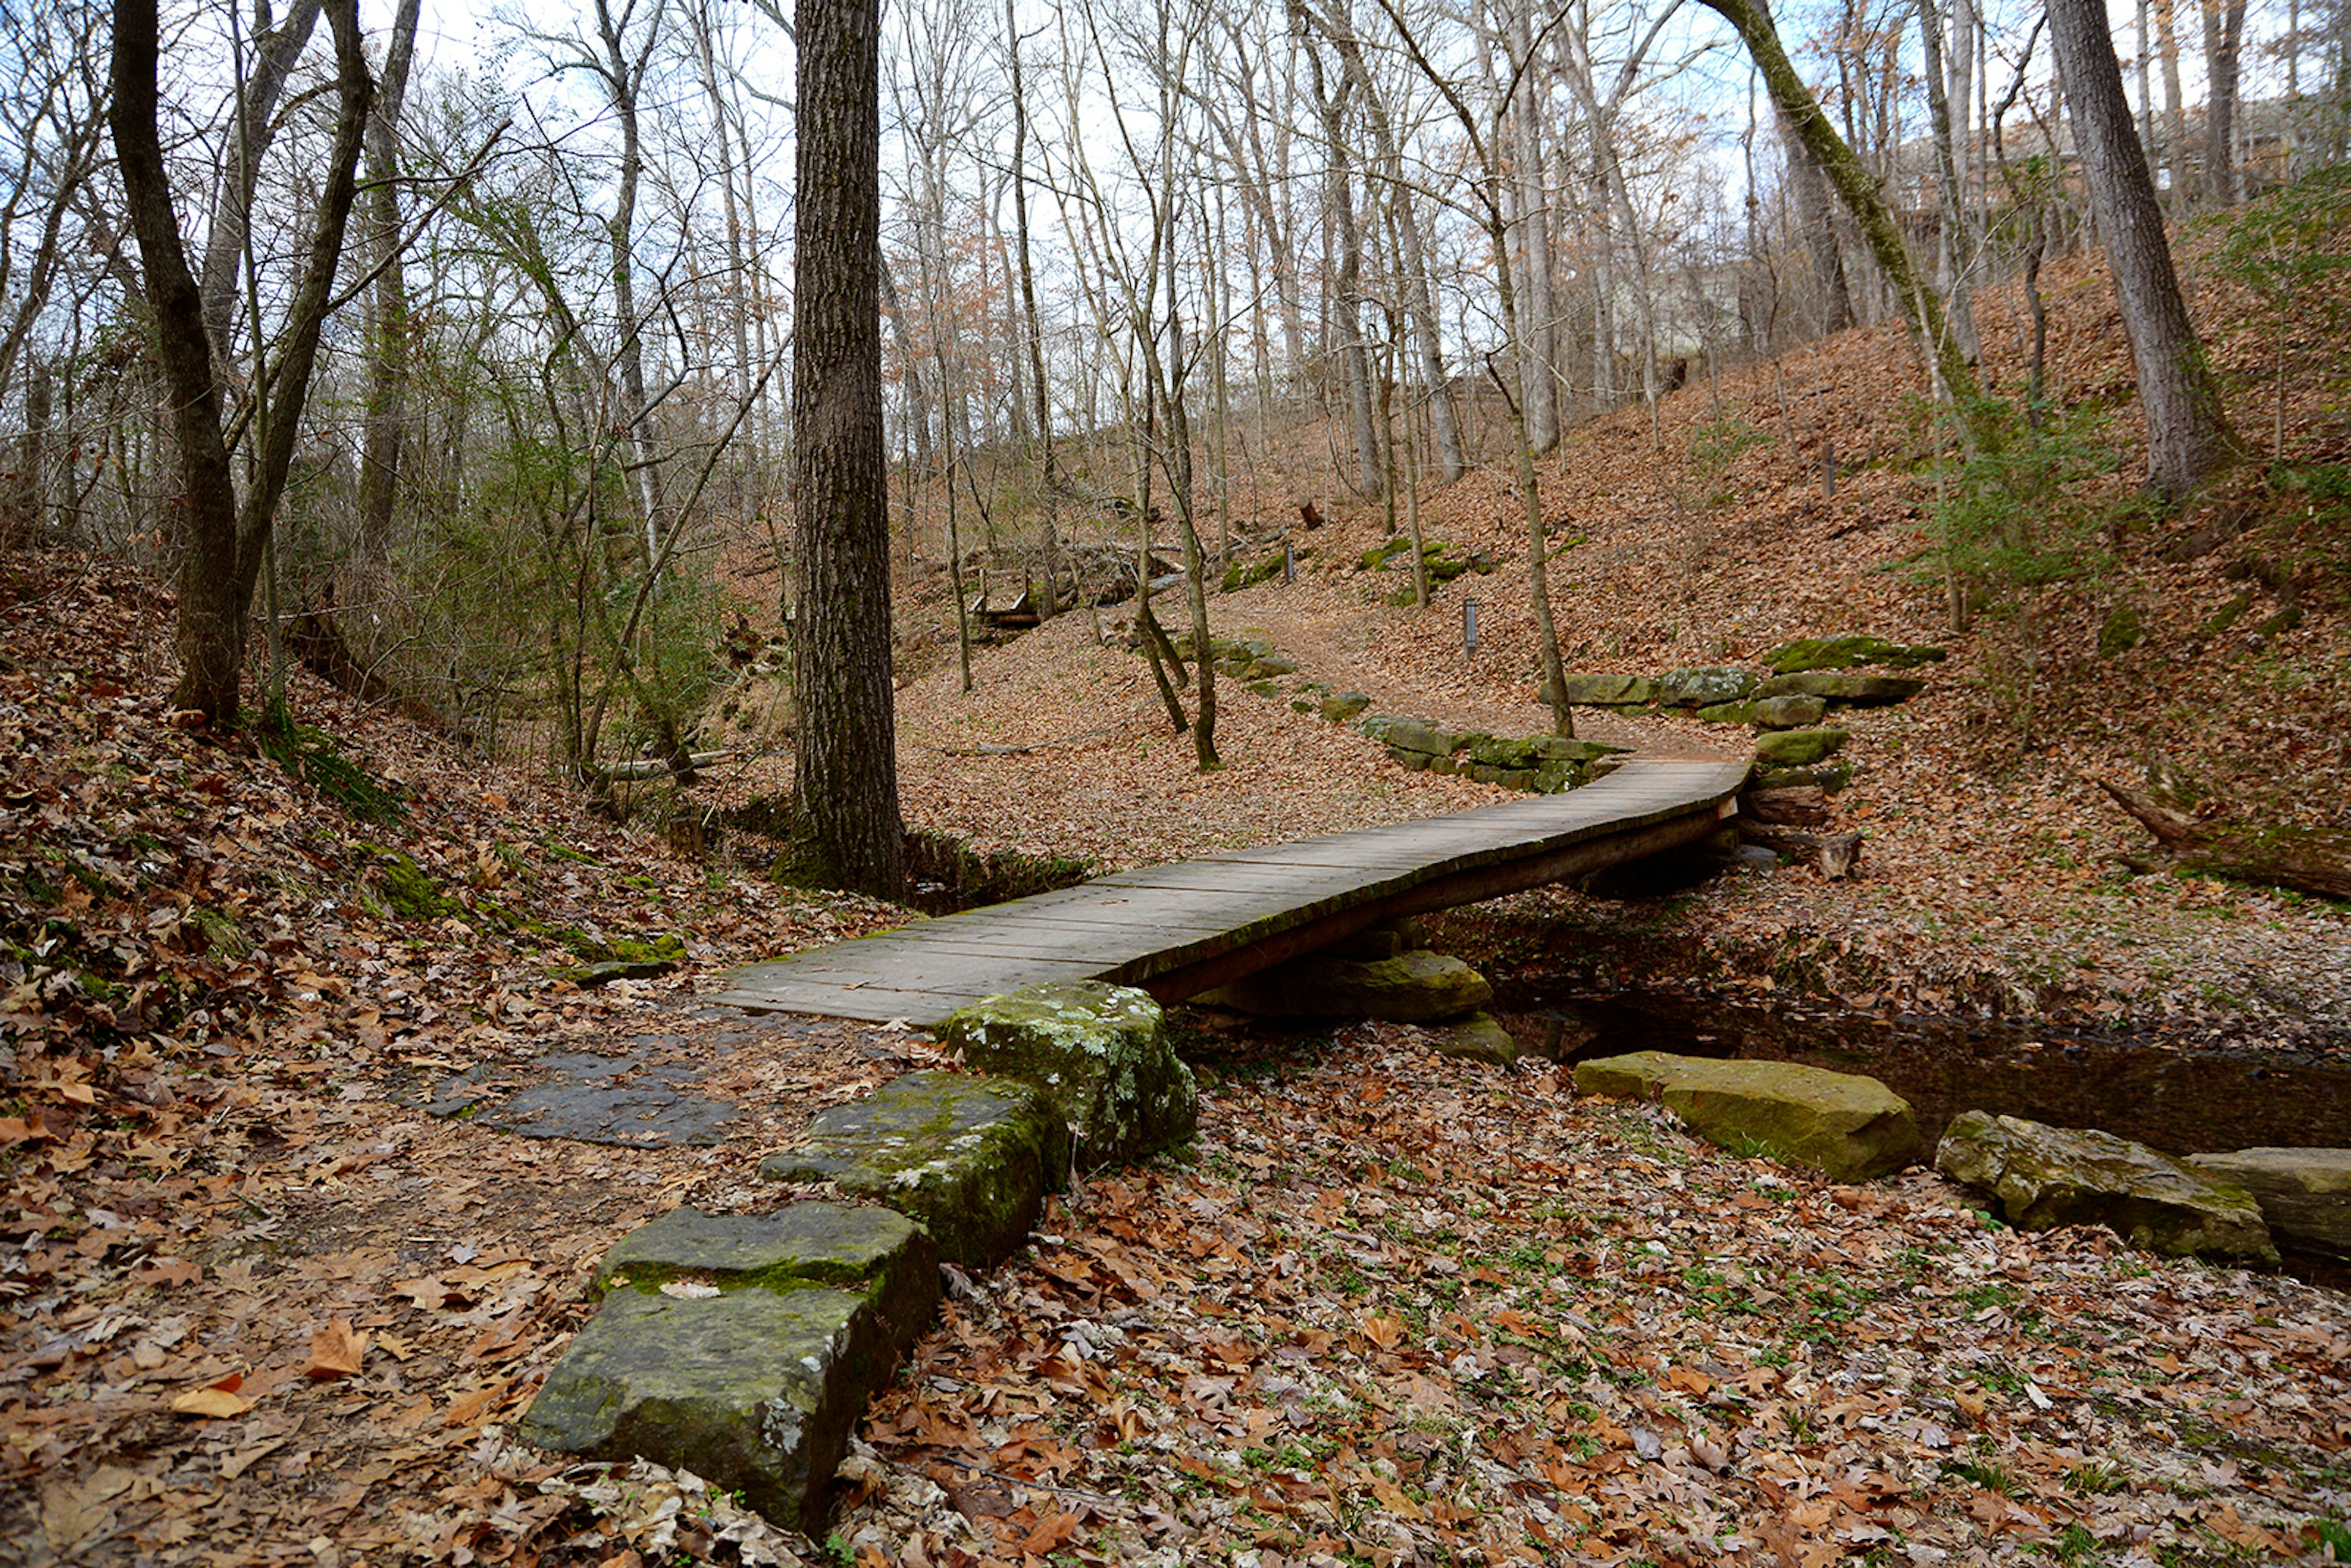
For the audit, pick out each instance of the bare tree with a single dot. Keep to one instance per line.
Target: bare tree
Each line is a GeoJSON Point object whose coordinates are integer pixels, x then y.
{"type": "Point", "coordinates": [227, 534]}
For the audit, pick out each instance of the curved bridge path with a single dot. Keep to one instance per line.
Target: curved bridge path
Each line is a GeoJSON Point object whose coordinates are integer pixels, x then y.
{"type": "Point", "coordinates": [1177, 930]}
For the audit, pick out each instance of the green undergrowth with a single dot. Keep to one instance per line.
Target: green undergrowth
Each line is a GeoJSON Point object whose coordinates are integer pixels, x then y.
{"type": "Point", "coordinates": [315, 757]}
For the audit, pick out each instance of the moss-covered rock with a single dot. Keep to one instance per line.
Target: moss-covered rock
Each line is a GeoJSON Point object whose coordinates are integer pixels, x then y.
{"type": "Point", "coordinates": [1419, 735]}
{"type": "Point", "coordinates": [1098, 1054]}
{"type": "Point", "coordinates": [1478, 1038]}
{"type": "Point", "coordinates": [1798, 748]}
{"type": "Point", "coordinates": [1341, 706]}
{"type": "Point", "coordinates": [1849, 1126]}
{"type": "Point", "coordinates": [754, 1391]}
{"type": "Point", "coordinates": [1610, 691]}
{"type": "Point", "coordinates": [972, 1158]}
{"type": "Point", "coordinates": [2304, 1193]}
{"type": "Point", "coordinates": [874, 1250]}
{"type": "Point", "coordinates": [757, 1387]}
{"type": "Point", "coordinates": [1847, 653]}
{"type": "Point", "coordinates": [2045, 1176]}
{"type": "Point", "coordinates": [1788, 711]}
{"type": "Point", "coordinates": [1705, 685]}
{"type": "Point", "coordinates": [1727, 713]}
{"type": "Point", "coordinates": [1411, 987]}
{"type": "Point", "coordinates": [1842, 686]}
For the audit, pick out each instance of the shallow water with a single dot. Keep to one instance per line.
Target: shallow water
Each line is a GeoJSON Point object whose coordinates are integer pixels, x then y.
{"type": "Point", "coordinates": [2179, 1101]}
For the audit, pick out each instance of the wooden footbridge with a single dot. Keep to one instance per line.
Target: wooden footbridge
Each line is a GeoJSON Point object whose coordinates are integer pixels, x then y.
{"type": "Point", "coordinates": [1178, 930]}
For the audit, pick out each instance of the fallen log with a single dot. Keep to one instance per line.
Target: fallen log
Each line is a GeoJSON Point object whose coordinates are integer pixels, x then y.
{"type": "Point", "coordinates": [1837, 855]}
{"type": "Point", "coordinates": [2307, 860]}
{"type": "Point", "coordinates": [657, 766]}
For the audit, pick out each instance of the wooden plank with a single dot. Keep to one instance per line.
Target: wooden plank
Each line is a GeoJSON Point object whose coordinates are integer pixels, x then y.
{"type": "Point", "coordinates": [1183, 927]}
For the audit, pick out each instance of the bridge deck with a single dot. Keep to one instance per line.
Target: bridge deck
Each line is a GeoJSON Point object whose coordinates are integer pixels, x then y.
{"type": "Point", "coordinates": [1177, 930]}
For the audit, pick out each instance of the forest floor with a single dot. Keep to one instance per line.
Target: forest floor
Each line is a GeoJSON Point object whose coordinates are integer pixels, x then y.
{"type": "Point", "coordinates": [291, 1232]}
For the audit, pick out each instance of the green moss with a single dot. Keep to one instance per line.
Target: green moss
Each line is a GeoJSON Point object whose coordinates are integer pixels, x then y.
{"type": "Point", "coordinates": [408, 891]}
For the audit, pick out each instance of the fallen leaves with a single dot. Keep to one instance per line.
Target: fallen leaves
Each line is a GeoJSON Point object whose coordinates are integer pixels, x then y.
{"type": "Point", "coordinates": [1606, 1374]}
{"type": "Point", "coordinates": [217, 1401]}
{"type": "Point", "coordinates": [336, 1351]}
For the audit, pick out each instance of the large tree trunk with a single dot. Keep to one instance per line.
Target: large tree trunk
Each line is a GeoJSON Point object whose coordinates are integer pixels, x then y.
{"type": "Point", "coordinates": [845, 774]}
{"type": "Point", "coordinates": [225, 541]}
{"type": "Point", "coordinates": [2187, 434]}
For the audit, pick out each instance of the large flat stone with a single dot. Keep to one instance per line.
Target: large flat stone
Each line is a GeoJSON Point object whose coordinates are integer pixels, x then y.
{"type": "Point", "coordinates": [1411, 987]}
{"type": "Point", "coordinates": [1843, 686]}
{"type": "Point", "coordinates": [1798, 748]}
{"type": "Point", "coordinates": [1850, 1126]}
{"type": "Point", "coordinates": [1705, 685]}
{"type": "Point", "coordinates": [743, 1347]}
{"type": "Point", "coordinates": [2045, 1176]}
{"type": "Point", "coordinates": [811, 1243]}
{"type": "Point", "coordinates": [972, 1158]}
{"type": "Point", "coordinates": [1098, 1054]}
{"type": "Point", "coordinates": [2304, 1193]}
{"type": "Point", "coordinates": [753, 1390]}
{"type": "Point", "coordinates": [1611, 691]}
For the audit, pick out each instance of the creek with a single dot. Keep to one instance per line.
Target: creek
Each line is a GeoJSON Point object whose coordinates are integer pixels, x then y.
{"type": "Point", "coordinates": [2179, 1100]}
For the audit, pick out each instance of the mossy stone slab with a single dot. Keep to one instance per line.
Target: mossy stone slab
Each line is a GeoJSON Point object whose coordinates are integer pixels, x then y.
{"type": "Point", "coordinates": [1341, 706]}
{"type": "Point", "coordinates": [1843, 686]}
{"type": "Point", "coordinates": [2046, 1177]}
{"type": "Point", "coordinates": [1847, 653]}
{"type": "Point", "coordinates": [1798, 748]}
{"type": "Point", "coordinates": [752, 1390]}
{"type": "Point", "coordinates": [1419, 735]}
{"type": "Point", "coordinates": [2304, 1193]}
{"type": "Point", "coordinates": [1727, 713]}
{"type": "Point", "coordinates": [1610, 691]}
{"type": "Point", "coordinates": [1098, 1054]}
{"type": "Point", "coordinates": [1411, 987]}
{"type": "Point", "coordinates": [801, 1244]}
{"type": "Point", "coordinates": [1791, 712]}
{"type": "Point", "coordinates": [1849, 1126]}
{"type": "Point", "coordinates": [971, 1158]}
{"type": "Point", "coordinates": [1480, 1037]}
{"type": "Point", "coordinates": [1705, 685]}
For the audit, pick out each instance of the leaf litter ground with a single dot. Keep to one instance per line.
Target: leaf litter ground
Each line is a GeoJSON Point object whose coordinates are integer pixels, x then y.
{"type": "Point", "coordinates": [1399, 1309]}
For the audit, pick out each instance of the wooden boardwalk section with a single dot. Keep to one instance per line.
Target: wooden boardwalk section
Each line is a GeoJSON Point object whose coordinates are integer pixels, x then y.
{"type": "Point", "coordinates": [1177, 930]}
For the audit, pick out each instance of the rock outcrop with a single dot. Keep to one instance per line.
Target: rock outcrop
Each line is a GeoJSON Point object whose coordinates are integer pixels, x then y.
{"type": "Point", "coordinates": [2304, 1193]}
{"type": "Point", "coordinates": [2045, 1176]}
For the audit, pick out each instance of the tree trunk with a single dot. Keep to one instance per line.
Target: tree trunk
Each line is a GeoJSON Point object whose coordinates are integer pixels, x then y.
{"type": "Point", "coordinates": [225, 541]}
{"type": "Point", "coordinates": [845, 772]}
{"type": "Point", "coordinates": [256, 126]}
{"type": "Point", "coordinates": [2187, 434]}
{"type": "Point", "coordinates": [1832, 298]}
{"type": "Point", "coordinates": [1859, 190]}
{"type": "Point", "coordinates": [387, 327]}
{"type": "Point", "coordinates": [2225, 35]}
